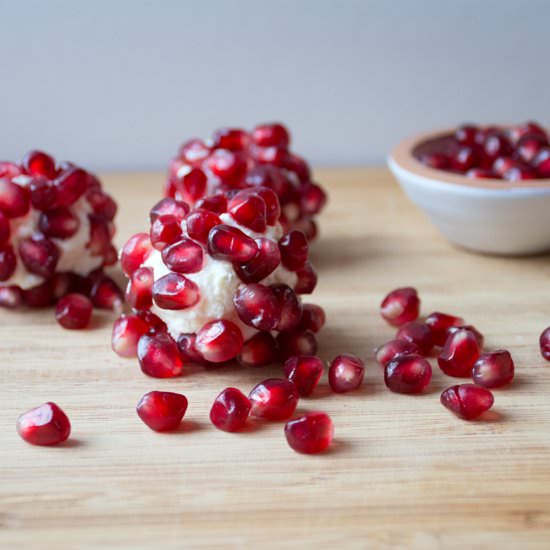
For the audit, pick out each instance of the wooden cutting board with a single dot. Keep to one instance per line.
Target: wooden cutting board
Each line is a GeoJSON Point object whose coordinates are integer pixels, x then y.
{"type": "Point", "coordinates": [403, 471]}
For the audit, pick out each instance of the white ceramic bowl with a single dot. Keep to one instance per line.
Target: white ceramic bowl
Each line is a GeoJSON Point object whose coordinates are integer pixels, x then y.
{"type": "Point", "coordinates": [485, 215]}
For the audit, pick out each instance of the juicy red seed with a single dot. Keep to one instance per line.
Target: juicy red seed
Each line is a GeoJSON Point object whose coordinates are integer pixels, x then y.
{"type": "Point", "coordinates": [230, 410]}
{"type": "Point", "coordinates": [544, 342]}
{"type": "Point", "coordinates": [259, 350]}
{"type": "Point", "coordinates": [407, 374]}
{"type": "Point", "coordinates": [219, 341]}
{"type": "Point", "coordinates": [184, 256]}
{"type": "Point", "coordinates": [476, 333]}
{"type": "Point", "coordinates": [518, 173]}
{"type": "Point", "coordinates": [541, 163]}
{"type": "Point", "coordinates": [9, 169]}
{"type": "Point", "coordinates": [495, 145]}
{"type": "Point", "coordinates": [229, 166]}
{"type": "Point", "coordinates": [437, 161]}
{"type": "Point", "coordinates": [188, 349]}
{"type": "Point", "coordinates": [66, 282]}
{"type": "Point", "coordinates": [529, 146]}
{"type": "Point", "coordinates": [175, 291]}
{"type": "Point", "coordinates": [466, 134]}
{"type": "Point", "coordinates": [155, 323]}
{"type": "Point", "coordinates": [194, 151]}
{"type": "Point", "coordinates": [464, 159]}
{"type": "Point", "coordinates": [231, 244]}
{"type": "Point", "coordinates": [481, 173]}
{"type": "Point", "coordinates": [233, 139]}
{"type": "Point", "coordinates": [494, 369]}
{"type": "Point", "coordinates": [460, 352]}
{"type": "Point", "coordinates": [127, 330]}
{"type": "Point", "coordinates": [313, 199]}
{"type": "Point", "coordinates": [40, 255]}
{"type": "Point", "coordinates": [199, 223]}
{"type": "Point", "coordinates": [400, 306]}
{"type": "Point", "coordinates": [274, 399]}
{"type": "Point", "coordinates": [40, 296]}
{"type": "Point", "coordinates": [11, 297]}
{"type": "Point", "coordinates": [345, 373]}
{"type": "Point", "coordinates": [294, 250]}
{"type": "Point", "coordinates": [162, 411]}
{"type": "Point", "coordinates": [8, 262]}
{"type": "Point", "coordinates": [262, 264]}
{"type": "Point", "coordinates": [248, 209]}
{"type": "Point", "coordinates": [467, 400]}
{"type": "Point", "coordinates": [273, 207]}
{"type": "Point", "coordinates": [503, 164]}
{"type": "Point", "coordinates": [59, 222]}
{"type": "Point", "coordinates": [70, 186]}
{"type": "Point", "coordinates": [439, 323]}
{"type": "Point", "coordinates": [37, 163]}
{"type": "Point", "coordinates": [74, 311]}
{"type": "Point", "coordinates": [304, 371]}
{"type": "Point", "coordinates": [313, 318]}
{"type": "Point", "coordinates": [105, 294]}
{"type": "Point", "coordinates": [417, 333]}
{"type": "Point", "coordinates": [103, 205]}
{"type": "Point", "coordinates": [296, 342]}
{"type": "Point", "coordinates": [43, 193]}
{"type": "Point", "coordinates": [135, 252]}
{"type": "Point", "coordinates": [169, 207]}
{"type": "Point", "coordinates": [257, 306]}
{"type": "Point", "coordinates": [159, 356]}
{"type": "Point", "coordinates": [191, 183]}
{"type": "Point", "coordinates": [311, 433]}
{"type": "Point", "coordinates": [139, 292]}
{"type": "Point", "coordinates": [44, 425]}
{"type": "Point", "coordinates": [213, 203]}
{"type": "Point", "coordinates": [299, 166]}
{"type": "Point", "coordinates": [394, 348]}
{"type": "Point", "coordinates": [165, 230]}
{"type": "Point", "coordinates": [14, 199]}
{"type": "Point", "coordinates": [291, 308]}
{"type": "Point", "coordinates": [271, 135]}
{"type": "Point", "coordinates": [275, 156]}
{"type": "Point", "coordinates": [100, 237]}
{"type": "Point", "coordinates": [307, 279]}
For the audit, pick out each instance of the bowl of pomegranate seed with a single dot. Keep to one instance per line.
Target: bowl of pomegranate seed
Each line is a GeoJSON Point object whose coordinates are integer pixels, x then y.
{"type": "Point", "coordinates": [486, 188]}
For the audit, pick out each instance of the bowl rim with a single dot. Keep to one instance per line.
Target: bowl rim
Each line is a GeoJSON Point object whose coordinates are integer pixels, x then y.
{"type": "Point", "coordinates": [402, 156]}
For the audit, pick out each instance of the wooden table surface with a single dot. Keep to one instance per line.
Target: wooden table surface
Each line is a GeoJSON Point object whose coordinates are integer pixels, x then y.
{"type": "Point", "coordinates": [403, 471]}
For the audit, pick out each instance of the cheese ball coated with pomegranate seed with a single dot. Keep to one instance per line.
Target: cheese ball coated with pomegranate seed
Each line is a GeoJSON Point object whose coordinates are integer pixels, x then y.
{"type": "Point", "coordinates": [236, 159]}
{"type": "Point", "coordinates": [56, 229]}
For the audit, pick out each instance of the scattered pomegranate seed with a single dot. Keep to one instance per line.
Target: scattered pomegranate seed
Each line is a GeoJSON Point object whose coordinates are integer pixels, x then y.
{"type": "Point", "coordinates": [231, 244]}
{"type": "Point", "coordinates": [14, 199]}
{"type": "Point", "coordinates": [407, 374]}
{"type": "Point", "coordinates": [139, 292]}
{"type": "Point", "coordinates": [159, 355]}
{"type": "Point", "coordinates": [74, 311]}
{"type": "Point", "coordinates": [165, 230]}
{"type": "Point", "coordinates": [249, 209]}
{"type": "Point", "coordinates": [169, 207]}
{"type": "Point", "coordinates": [188, 349]}
{"type": "Point", "coordinates": [11, 297]}
{"type": "Point", "coordinates": [291, 308]}
{"type": "Point", "coordinates": [219, 341]}
{"type": "Point", "coordinates": [307, 279]}
{"type": "Point", "coordinates": [230, 410]}
{"type": "Point", "coordinates": [467, 400]}
{"type": "Point", "coordinates": [460, 352]}
{"type": "Point", "coordinates": [294, 250]}
{"type": "Point", "coordinates": [127, 331]}
{"type": "Point", "coordinates": [8, 262]}
{"type": "Point", "coordinates": [400, 306]}
{"type": "Point", "coordinates": [184, 256]}
{"type": "Point", "coordinates": [40, 255]}
{"type": "Point", "coordinates": [472, 329]}
{"type": "Point", "coordinates": [259, 350]}
{"type": "Point", "coordinates": [346, 373]}
{"type": "Point", "coordinates": [271, 135]}
{"type": "Point", "coordinates": [262, 264]}
{"type": "Point", "coordinates": [162, 411]}
{"type": "Point", "coordinates": [40, 296]}
{"type": "Point", "coordinates": [257, 306]}
{"type": "Point", "coordinates": [44, 425]}
{"type": "Point", "coordinates": [313, 318]}
{"type": "Point", "coordinates": [394, 348]}
{"type": "Point", "coordinates": [296, 342]}
{"type": "Point", "coordinates": [544, 342]}
{"type": "Point", "coordinates": [105, 294]}
{"type": "Point", "coordinates": [417, 333]}
{"type": "Point", "coordinates": [304, 371]}
{"type": "Point", "coordinates": [37, 163]}
{"type": "Point", "coordinates": [175, 291]}
{"type": "Point", "coordinates": [439, 324]}
{"type": "Point", "coordinates": [311, 433]}
{"type": "Point", "coordinates": [274, 399]}
{"type": "Point", "coordinates": [155, 323]}
{"type": "Point", "coordinates": [493, 369]}
{"type": "Point", "coordinates": [135, 252]}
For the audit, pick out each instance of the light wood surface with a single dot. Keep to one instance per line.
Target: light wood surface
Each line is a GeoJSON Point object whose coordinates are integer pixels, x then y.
{"type": "Point", "coordinates": [403, 472]}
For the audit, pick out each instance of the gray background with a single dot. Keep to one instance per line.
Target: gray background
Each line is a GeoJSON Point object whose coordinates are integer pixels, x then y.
{"type": "Point", "coordinates": [119, 84]}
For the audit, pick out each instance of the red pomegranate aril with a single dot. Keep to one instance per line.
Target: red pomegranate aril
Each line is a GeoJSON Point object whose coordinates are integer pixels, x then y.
{"type": "Point", "coordinates": [162, 411]}
{"type": "Point", "coordinates": [466, 134]}
{"type": "Point", "coordinates": [169, 207]}
{"type": "Point", "coordinates": [100, 236]}
{"type": "Point", "coordinates": [229, 166]}
{"type": "Point", "coordinates": [14, 199]}
{"type": "Point", "coordinates": [544, 343]}
{"type": "Point", "coordinates": [460, 352]}
{"type": "Point", "coordinates": [231, 244]}
{"type": "Point", "coordinates": [271, 135]}
{"type": "Point", "coordinates": [194, 151]}
{"type": "Point", "coordinates": [191, 183]}
{"type": "Point", "coordinates": [154, 322]}
{"type": "Point", "coordinates": [299, 166]}
{"type": "Point", "coordinates": [40, 296]}
{"type": "Point", "coordinates": [165, 230]}
{"type": "Point", "coordinates": [8, 262]}
{"type": "Point", "coordinates": [74, 311]}
{"type": "Point", "coordinates": [464, 159]}
{"type": "Point", "coordinates": [135, 252]}
{"type": "Point", "coordinates": [296, 342]}
{"type": "Point", "coordinates": [230, 410]}
{"type": "Point", "coordinates": [248, 209]}
{"type": "Point", "coordinates": [313, 199]}
{"type": "Point", "coordinates": [493, 369]}
{"type": "Point", "coordinates": [495, 145]}
{"type": "Point", "coordinates": [467, 401]}
{"type": "Point", "coordinates": [529, 145]}
{"type": "Point", "coordinates": [503, 164]}
{"type": "Point", "coordinates": [5, 230]}
{"type": "Point", "coordinates": [70, 186]}
{"type": "Point", "coordinates": [481, 173]}
{"type": "Point", "coordinates": [407, 374]}
{"type": "Point", "coordinates": [175, 291]}
{"type": "Point", "coordinates": [308, 227]}
{"type": "Point", "coordinates": [185, 256]}
{"type": "Point", "coordinates": [105, 294]}
{"type": "Point", "coordinates": [394, 348]}
{"type": "Point", "coordinates": [346, 373]}
{"type": "Point", "coordinates": [472, 329]}
{"type": "Point", "coordinates": [40, 255]}
{"type": "Point", "coordinates": [44, 425]}
{"type": "Point", "coordinates": [11, 297]}
{"type": "Point", "coordinates": [527, 129]}
{"type": "Point", "coordinates": [43, 193]}
{"type": "Point", "coordinates": [273, 207]}
{"type": "Point", "coordinates": [262, 264]}
{"type": "Point", "coordinates": [311, 433]}
{"type": "Point", "coordinates": [37, 163]}
{"type": "Point", "coordinates": [139, 292]}
{"type": "Point", "coordinates": [313, 318]}
{"type": "Point", "coordinates": [294, 250]}
{"type": "Point", "coordinates": [304, 371]}
{"type": "Point", "coordinates": [188, 350]}
{"type": "Point", "coordinates": [519, 173]}
{"type": "Point", "coordinates": [257, 306]}
{"type": "Point", "coordinates": [439, 323]}
{"type": "Point", "coordinates": [259, 350]}
{"type": "Point", "coordinates": [541, 163]}
{"type": "Point", "coordinates": [417, 333]}
{"type": "Point", "coordinates": [200, 222]}
{"type": "Point", "coordinates": [233, 139]}
{"type": "Point", "coordinates": [127, 330]}
{"type": "Point", "coordinates": [213, 203]}
{"type": "Point", "coordinates": [400, 306]}
{"type": "Point", "coordinates": [307, 279]}
{"type": "Point", "coordinates": [59, 222]}
{"type": "Point", "coordinates": [274, 399]}
{"type": "Point", "coordinates": [103, 205]}
{"type": "Point", "coordinates": [159, 355]}
{"type": "Point", "coordinates": [437, 161]}
{"type": "Point", "coordinates": [219, 341]}
{"type": "Point", "coordinates": [291, 308]}
{"type": "Point", "coordinates": [9, 169]}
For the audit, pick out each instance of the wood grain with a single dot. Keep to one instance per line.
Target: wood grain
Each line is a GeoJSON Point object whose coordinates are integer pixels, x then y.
{"type": "Point", "coordinates": [403, 473]}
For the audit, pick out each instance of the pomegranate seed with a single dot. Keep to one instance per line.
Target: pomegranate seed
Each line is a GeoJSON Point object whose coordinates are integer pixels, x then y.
{"type": "Point", "coordinates": [299, 166]}
{"type": "Point", "coordinates": [481, 173]}
{"type": "Point", "coordinates": [273, 207]}
{"type": "Point", "coordinates": [271, 135]}
{"type": "Point", "coordinates": [135, 252]}
{"type": "Point", "coordinates": [417, 333]}
{"type": "Point", "coordinates": [494, 369]}
{"type": "Point", "coordinates": [230, 410]}
{"type": "Point", "coordinates": [139, 292]}
{"type": "Point", "coordinates": [313, 318]}
{"type": "Point", "coordinates": [188, 349]}
{"type": "Point", "coordinates": [496, 145]}
{"type": "Point", "coordinates": [184, 256]}
{"type": "Point", "coordinates": [307, 279]}
{"type": "Point", "coordinates": [162, 411]}
{"type": "Point", "coordinates": [544, 342]}
{"type": "Point", "coordinates": [155, 323]}
{"type": "Point", "coordinates": [70, 186]}
{"type": "Point", "coordinates": [100, 237]}
{"type": "Point", "coordinates": [467, 400]}
{"type": "Point", "coordinates": [503, 164]}
{"type": "Point", "coordinates": [257, 306]}
{"type": "Point", "coordinates": [460, 352]}
{"type": "Point", "coordinates": [229, 166]}
{"type": "Point", "coordinates": [169, 207]}
{"type": "Point", "coordinates": [274, 399]}
{"type": "Point", "coordinates": [105, 294]}
{"type": "Point", "coordinates": [311, 433]}
{"type": "Point", "coordinates": [291, 308]}
{"type": "Point", "coordinates": [296, 342]}
{"type": "Point", "coordinates": [44, 425]}
{"type": "Point", "coordinates": [529, 128]}
{"type": "Point", "coordinates": [400, 306]}
{"type": "Point", "coordinates": [259, 350]}
{"type": "Point", "coordinates": [466, 134]}
{"type": "Point", "coordinates": [14, 199]}
{"type": "Point", "coordinates": [73, 311]}
{"type": "Point", "coordinates": [304, 371]}
{"type": "Point", "coordinates": [9, 170]}
{"type": "Point", "coordinates": [249, 209]}
{"type": "Point", "coordinates": [219, 341]}
{"type": "Point", "coordinates": [262, 264]}
{"type": "Point", "coordinates": [191, 183]}
{"type": "Point", "coordinates": [37, 163]}
{"type": "Point", "coordinates": [175, 291]}
{"type": "Point", "coordinates": [165, 230]}
{"type": "Point", "coordinates": [394, 348]}
{"type": "Point", "coordinates": [11, 297]}
{"type": "Point", "coordinates": [541, 163]}
{"type": "Point", "coordinates": [199, 224]}
{"type": "Point", "coordinates": [231, 244]}
{"type": "Point", "coordinates": [437, 161]}
{"type": "Point", "coordinates": [345, 373]}
{"type": "Point", "coordinates": [233, 139]}
{"type": "Point", "coordinates": [59, 222]}
{"type": "Point", "coordinates": [40, 255]}
{"type": "Point", "coordinates": [518, 173]}
{"type": "Point", "coordinates": [127, 330]}
{"type": "Point", "coordinates": [103, 205]}
{"type": "Point", "coordinates": [213, 203]}
{"type": "Point", "coordinates": [473, 330]}
{"type": "Point", "coordinates": [464, 159]}
{"type": "Point", "coordinates": [159, 356]}
{"type": "Point", "coordinates": [194, 151]}
{"type": "Point", "coordinates": [529, 145]}
{"type": "Point", "coordinates": [40, 296]}
{"type": "Point", "coordinates": [313, 199]}
{"type": "Point", "coordinates": [43, 194]}
{"type": "Point", "coordinates": [8, 262]}
{"type": "Point", "coordinates": [294, 250]}
{"type": "Point", "coordinates": [407, 374]}
{"type": "Point", "coordinates": [5, 230]}
{"type": "Point", "coordinates": [439, 323]}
